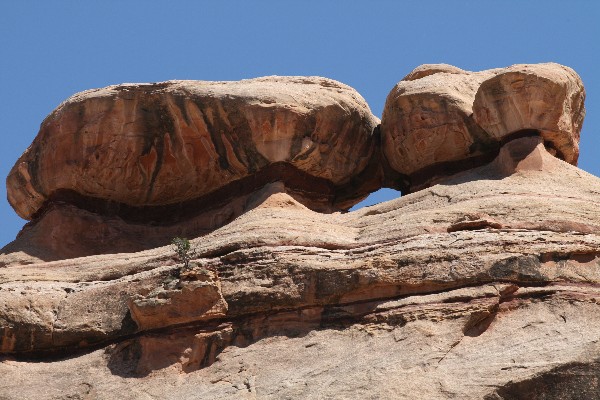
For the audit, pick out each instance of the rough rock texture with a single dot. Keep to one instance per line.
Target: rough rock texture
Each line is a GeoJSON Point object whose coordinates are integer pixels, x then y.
{"type": "Point", "coordinates": [171, 142]}
{"type": "Point", "coordinates": [483, 286]}
{"type": "Point", "coordinates": [486, 285]}
{"type": "Point", "coordinates": [440, 119]}
{"type": "Point", "coordinates": [67, 231]}
{"type": "Point", "coordinates": [429, 69]}
{"type": "Point", "coordinates": [128, 167]}
{"type": "Point", "coordinates": [193, 296]}
{"type": "Point", "coordinates": [546, 97]}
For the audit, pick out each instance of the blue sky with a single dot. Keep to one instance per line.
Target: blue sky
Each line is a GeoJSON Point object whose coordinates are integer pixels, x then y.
{"type": "Point", "coordinates": [50, 50]}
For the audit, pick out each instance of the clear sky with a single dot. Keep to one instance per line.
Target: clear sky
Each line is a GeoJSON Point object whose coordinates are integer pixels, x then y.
{"type": "Point", "coordinates": [50, 50]}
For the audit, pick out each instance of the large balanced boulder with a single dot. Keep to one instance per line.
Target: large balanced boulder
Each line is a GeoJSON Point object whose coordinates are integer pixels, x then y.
{"type": "Point", "coordinates": [129, 167]}
{"type": "Point", "coordinates": [440, 120]}
{"type": "Point", "coordinates": [171, 142]}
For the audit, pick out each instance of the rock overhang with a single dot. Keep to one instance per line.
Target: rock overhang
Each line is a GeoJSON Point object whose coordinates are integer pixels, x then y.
{"type": "Point", "coordinates": [440, 115]}
{"type": "Point", "coordinates": [176, 141]}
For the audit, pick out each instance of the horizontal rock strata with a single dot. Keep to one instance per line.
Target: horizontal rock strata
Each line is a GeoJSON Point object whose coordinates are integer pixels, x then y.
{"type": "Point", "coordinates": [484, 284]}
{"type": "Point", "coordinates": [444, 276]}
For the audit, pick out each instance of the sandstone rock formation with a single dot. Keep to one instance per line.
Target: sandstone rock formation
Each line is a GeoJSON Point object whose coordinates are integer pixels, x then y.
{"type": "Point", "coordinates": [483, 286]}
{"type": "Point", "coordinates": [128, 167]}
{"type": "Point", "coordinates": [192, 296]}
{"type": "Point", "coordinates": [439, 119]}
{"type": "Point", "coordinates": [429, 69]}
{"type": "Point", "coordinates": [171, 142]}
{"type": "Point", "coordinates": [547, 97]}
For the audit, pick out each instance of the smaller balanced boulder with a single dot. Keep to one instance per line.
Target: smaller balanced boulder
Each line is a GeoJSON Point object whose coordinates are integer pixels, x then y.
{"type": "Point", "coordinates": [545, 97]}
{"type": "Point", "coordinates": [440, 119]}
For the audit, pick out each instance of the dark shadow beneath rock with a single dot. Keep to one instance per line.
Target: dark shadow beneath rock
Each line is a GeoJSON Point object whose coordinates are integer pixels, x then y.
{"type": "Point", "coordinates": [577, 381]}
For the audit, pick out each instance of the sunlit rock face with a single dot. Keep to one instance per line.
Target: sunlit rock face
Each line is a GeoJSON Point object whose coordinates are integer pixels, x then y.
{"type": "Point", "coordinates": [545, 97]}
{"type": "Point", "coordinates": [481, 282]}
{"type": "Point", "coordinates": [440, 119]}
{"type": "Point", "coordinates": [171, 142]}
{"type": "Point", "coordinates": [484, 287]}
{"type": "Point", "coordinates": [128, 167]}
{"type": "Point", "coordinates": [429, 69]}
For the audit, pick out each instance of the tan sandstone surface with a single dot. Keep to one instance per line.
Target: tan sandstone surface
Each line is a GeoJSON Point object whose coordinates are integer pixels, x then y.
{"type": "Point", "coordinates": [170, 142]}
{"type": "Point", "coordinates": [181, 158]}
{"type": "Point", "coordinates": [484, 285]}
{"type": "Point", "coordinates": [440, 117]}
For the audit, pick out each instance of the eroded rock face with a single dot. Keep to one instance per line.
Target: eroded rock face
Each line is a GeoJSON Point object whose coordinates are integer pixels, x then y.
{"type": "Point", "coordinates": [132, 166]}
{"type": "Point", "coordinates": [167, 143]}
{"type": "Point", "coordinates": [486, 285]}
{"type": "Point", "coordinates": [66, 231]}
{"type": "Point", "coordinates": [483, 286]}
{"type": "Point", "coordinates": [195, 295]}
{"type": "Point", "coordinates": [128, 167]}
{"type": "Point", "coordinates": [546, 97]}
{"type": "Point", "coordinates": [427, 121]}
{"type": "Point", "coordinates": [440, 120]}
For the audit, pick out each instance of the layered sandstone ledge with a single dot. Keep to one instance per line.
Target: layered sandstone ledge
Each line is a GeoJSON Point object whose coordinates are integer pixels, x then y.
{"type": "Point", "coordinates": [481, 281]}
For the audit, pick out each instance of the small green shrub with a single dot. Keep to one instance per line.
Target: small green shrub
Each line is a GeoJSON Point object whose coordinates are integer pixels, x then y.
{"type": "Point", "coordinates": [181, 246]}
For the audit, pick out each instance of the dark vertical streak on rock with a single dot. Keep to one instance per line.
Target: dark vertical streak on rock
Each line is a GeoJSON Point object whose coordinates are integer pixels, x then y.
{"type": "Point", "coordinates": [180, 103]}
{"type": "Point", "coordinates": [307, 129]}
{"type": "Point", "coordinates": [33, 167]}
{"type": "Point", "coordinates": [214, 133]}
{"type": "Point", "coordinates": [80, 125]}
{"type": "Point", "coordinates": [296, 147]}
{"type": "Point", "coordinates": [482, 141]}
{"type": "Point", "coordinates": [244, 148]}
{"type": "Point", "coordinates": [158, 122]}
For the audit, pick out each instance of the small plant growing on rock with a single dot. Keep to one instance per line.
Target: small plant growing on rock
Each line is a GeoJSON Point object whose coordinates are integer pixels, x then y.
{"type": "Point", "coordinates": [182, 248]}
